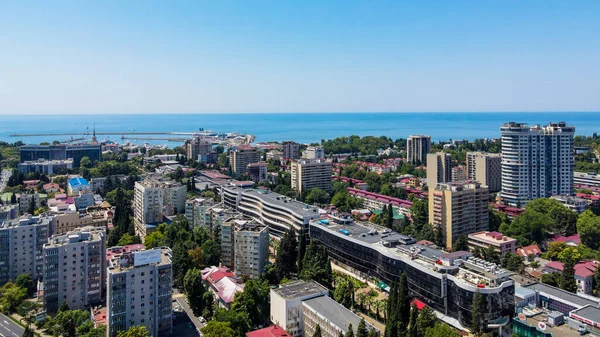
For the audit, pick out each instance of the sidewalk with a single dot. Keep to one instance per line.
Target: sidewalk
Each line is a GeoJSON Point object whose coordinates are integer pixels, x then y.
{"type": "Point", "coordinates": [21, 321]}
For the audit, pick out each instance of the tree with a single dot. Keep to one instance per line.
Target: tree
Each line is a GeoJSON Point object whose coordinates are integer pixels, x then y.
{"type": "Point", "coordinates": [26, 282]}
{"type": "Point", "coordinates": [317, 196]}
{"type": "Point", "coordinates": [343, 293]}
{"type": "Point", "coordinates": [13, 198]}
{"type": "Point", "coordinates": [588, 227]}
{"type": "Point", "coordinates": [85, 162]}
{"type": "Point", "coordinates": [317, 332]}
{"type": "Point", "coordinates": [134, 331]}
{"type": "Point", "coordinates": [12, 296]}
{"type": "Point", "coordinates": [154, 239]}
{"type": "Point", "coordinates": [287, 255]}
{"type": "Point", "coordinates": [597, 282]}
{"type": "Point", "coordinates": [127, 239]}
{"type": "Point", "coordinates": [564, 219]}
{"type": "Point", "coordinates": [350, 331]}
{"type": "Point", "coordinates": [391, 323]}
{"type": "Point", "coordinates": [361, 331]}
{"type": "Point", "coordinates": [254, 301]}
{"type": "Point", "coordinates": [373, 333]}
{"type": "Point", "coordinates": [218, 329]}
{"type": "Point", "coordinates": [441, 330]}
{"type": "Point", "coordinates": [419, 212]}
{"type": "Point", "coordinates": [316, 264]}
{"type": "Point", "coordinates": [28, 332]}
{"type": "Point", "coordinates": [551, 279]}
{"type": "Point", "coordinates": [238, 321]}
{"type": "Point", "coordinates": [196, 256]}
{"type": "Point", "coordinates": [513, 262]}
{"type": "Point", "coordinates": [389, 219]}
{"type": "Point", "coordinates": [301, 249]}
{"type": "Point", "coordinates": [212, 253]}
{"type": "Point", "coordinates": [567, 279]}
{"type": "Point", "coordinates": [477, 310]}
{"type": "Point", "coordinates": [403, 301]}
{"type": "Point", "coordinates": [462, 243]}
{"type": "Point", "coordinates": [530, 226]}
{"type": "Point", "coordinates": [425, 320]}
{"type": "Point", "coordinates": [194, 290]}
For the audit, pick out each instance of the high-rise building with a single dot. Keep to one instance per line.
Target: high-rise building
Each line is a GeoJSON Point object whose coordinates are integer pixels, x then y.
{"type": "Point", "coordinates": [251, 249]}
{"type": "Point", "coordinates": [417, 148]}
{"type": "Point", "coordinates": [21, 247]}
{"type": "Point", "coordinates": [313, 152]}
{"type": "Point", "coordinates": [458, 208]}
{"type": "Point", "coordinates": [154, 198]}
{"type": "Point", "coordinates": [290, 150]}
{"type": "Point", "coordinates": [309, 174]}
{"type": "Point", "coordinates": [439, 168]}
{"type": "Point", "coordinates": [257, 172]}
{"type": "Point", "coordinates": [241, 157]}
{"type": "Point", "coordinates": [61, 152]}
{"type": "Point", "coordinates": [139, 290]}
{"type": "Point", "coordinates": [485, 168]}
{"type": "Point", "coordinates": [75, 269]}
{"type": "Point", "coordinates": [29, 201]}
{"type": "Point", "coordinates": [197, 146]}
{"type": "Point", "coordinates": [537, 161]}
{"type": "Point", "coordinates": [197, 212]}
{"type": "Point", "coordinates": [286, 304]}
{"type": "Point", "coordinates": [459, 173]}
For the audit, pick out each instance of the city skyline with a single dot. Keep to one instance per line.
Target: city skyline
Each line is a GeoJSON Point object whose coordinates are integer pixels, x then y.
{"type": "Point", "coordinates": [91, 58]}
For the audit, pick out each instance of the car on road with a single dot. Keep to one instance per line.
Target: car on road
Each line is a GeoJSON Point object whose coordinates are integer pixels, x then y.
{"type": "Point", "coordinates": [201, 319]}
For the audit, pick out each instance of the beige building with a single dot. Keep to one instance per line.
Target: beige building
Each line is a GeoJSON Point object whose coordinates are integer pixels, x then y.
{"type": "Point", "coordinates": [290, 150]}
{"type": "Point", "coordinates": [417, 148]}
{"type": "Point", "coordinates": [332, 317]}
{"type": "Point", "coordinates": [458, 209]}
{"type": "Point", "coordinates": [75, 269]}
{"type": "Point", "coordinates": [439, 168]}
{"type": "Point", "coordinates": [197, 146]}
{"type": "Point", "coordinates": [241, 157]}
{"type": "Point", "coordinates": [154, 198]}
{"type": "Point", "coordinates": [501, 243]}
{"type": "Point", "coordinates": [69, 221]}
{"type": "Point", "coordinates": [485, 168]}
{"type": "Point", "coordinates": [313, 152]}
{"type": "Point", "coordinates": [139, 290]}
{"type": "Point", "coordinates": [459, 173]}
{"type": "Point", "coordinates": [309, 174]}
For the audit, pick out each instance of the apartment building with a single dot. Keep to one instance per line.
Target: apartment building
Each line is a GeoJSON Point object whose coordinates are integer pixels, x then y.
{"type": "Point", "coordinates": [240, 157]}
{"type": "Point", "coordinates": [21, 243]}
{"type": "Point", "coordinates": [589, 179]}
{"type": "Point", "coordinates": [575, 204]}
{"type": "Point", "coordinates": [196, 147]}
{"type": "Point", "coordinates": [65, 222]}
{"type": "Point", "coordinates": [485, 168]}
{"type": "Point", "coordinates": [45, 166]}
{"type": "Point", "coordinates": [500, 242]}
{"type": "Point", "coordinates": [313, 152]}
{"type": "Point", "coordinates": [154, 198]}
{"type": "Point", "coordinates": [257, 172]}
{"type": "Point", "coordinates": [75, 269]}
{"type": "Point", "coordinates": [290, 150]}
{"type": "Point", "coordinates": [459, 208]}
{"type": "Point", "coordinates": [8, 212]}
{"type": "Point", "coordinates": [439, 168]}
{"type": "Point", "coordinates": [459, 173]}
{"type": "Point", "coordinates": [99, 183]}
{"type": "Point", "coordinates": [197, 212]}
{"type": "Point", "coordinates": [251, 249]}
{"type": "Point", "coordinates": [309, 174]}
{"type": "Point", "coordinates": [332, 317]}
{"type": "Point", "coordinates": [29, 201]}
{"type": "Point", "coordinates": [417, 148]}
{"type": "Point", "coordinates": [139, 290]}
{"type": "Point", "coordinates": [537, 161]}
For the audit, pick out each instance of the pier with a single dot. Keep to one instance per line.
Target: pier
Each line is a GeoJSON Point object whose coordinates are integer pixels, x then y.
{"type": "Point", "coordinates": [89, 133]}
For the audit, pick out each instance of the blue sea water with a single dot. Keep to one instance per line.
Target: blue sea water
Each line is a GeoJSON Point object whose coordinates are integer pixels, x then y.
{"type": "Point", "coordinates": [301, 127]}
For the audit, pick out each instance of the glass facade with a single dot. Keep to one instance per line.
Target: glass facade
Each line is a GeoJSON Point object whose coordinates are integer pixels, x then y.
{"type": "Point", "coordinates": [61, 152]}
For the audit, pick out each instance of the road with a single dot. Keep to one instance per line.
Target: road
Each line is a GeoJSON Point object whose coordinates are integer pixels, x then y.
{"type": "Point", "coordinates": [180, 298]}
{"type": "Point", "coordinates": [4, 176]}
{"type": "Point", "coordinates": [8, 328]}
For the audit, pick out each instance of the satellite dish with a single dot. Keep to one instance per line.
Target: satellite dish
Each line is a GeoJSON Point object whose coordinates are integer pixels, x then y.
{"type": "Point", "coordinates": [542, 326]}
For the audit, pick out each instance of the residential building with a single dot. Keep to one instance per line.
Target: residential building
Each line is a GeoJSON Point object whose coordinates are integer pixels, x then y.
{"type": "Point", "coordinates": [485, 168]}
{"type": "Point", "coordinates": [584, 273]}
{"type": "Point", "coordinates": [332, 317]}
{"type": "Point", "coordinates": [154, 198]}
{"type": "Point", "coordinates": [576, 204]}
{"type": "Point", "coordinates": [309, 174]}
{"type": "Point", "coordinates": [378, 252]}
{"type": "Point", "coordinates": [271, 331]}
{"type": "Point", "coordinates": [459, 208]}
{"type": "Point", "coordinates": [65, 222]}
{"type": "Point", "coordinates": [61, 152]}
{"type": "Point", "coordinates": [313, 152]}
{"type": "Point", "coordinates": [75, 269]}
{"type": "Point", "coordinates": [197, 212]}
{"type": "Point", "coordinates": [537, 161]}
{"type": "Point", "coordinates": [589, 179]}
{"type": "Point", "coordinates": [175, 194]}
{"type": "Point", "coordinates": [8, 212]}
{"type": "Point", "coordinates": [459, 173]}
{"type": "Point", "coordinates": [376, 201]}
{"type": "Point", "coordinates": [196, 147]}
{"type": "Point", "coordinates": [45, 166]}
{"type": "Point", "coordinates": [223, 284]}
{"type": "Point", "coordinates": [99, 183]}
{"type": "Point", "coordinates": [83, 200]}
{"type": "Point", "coordinates": [529, 251]}
{"type": "Point", "coordinates": [251, 249]}
{"type": "Point", "coordinates": [417, 148]}
{"type": "Point", "coordinates": [290, 150]}
{"type": "Point", "coordinates": [278, 212]}
{"type": "Point", "coordinates": [257, 172]}
{"type": "Point", "coordinates": [439, 168]}
{"type": "Point", "coordinates": [139, 290]}
{"type": "Point", "coordinates": [286, 304]}
{"type": "Point", "coordinates": [21, 242]}
{"type": "Point", "coordinates": [76, 185]}
{"type": "Point", "coordinates": [500, 242]}
{"type": "Point", "coordinates": [275, 155]}
{"type": "Point", "coordinates": [29, 201]}
{"type": "Point", "coordinates": [240, 157]}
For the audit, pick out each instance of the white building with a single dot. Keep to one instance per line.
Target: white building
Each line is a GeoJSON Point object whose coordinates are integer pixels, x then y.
{"type": "Point", "coordinates": [26, 200]}
{"type": "Point", "coordinates": [590, 179]}
{"type": "Point", "coordinates": [139, 290]}
{"type": "Point", "coordinates": [332, 317]}
{"type": "Point", "coordinates": [313, 152]}
{"type": "Point", "coordinates": [578, 205]}
{"type": "Point", "coordinates": [197, 211]}
{"type": "Point", "coordinates": [286, 304]}
{"type": "Point", "coordinates": [251, 249]}
{"type": "Point", "coordinates": [45, 166]}
{"type": "Point", "coordinates": [153, 198]}
{"type": "Point", "coordinates": [74, 269]}
{"type": "Point", "coordinates": [500, 242]}
{"type": "Point", "coordinates": [537, 161]}
{"type": "Point", "coordinates": [309, 174]}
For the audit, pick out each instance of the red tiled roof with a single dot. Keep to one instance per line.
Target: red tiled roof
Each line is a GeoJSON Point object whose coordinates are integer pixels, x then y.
{"type": "Point", "coordinates": [529, 250]}
{"type": "Point", "coordinates": [566, 239]}
{"type": "Point", "coordinates": [272, 331]}
{"type": "Point", "coordinates": [380, 197]}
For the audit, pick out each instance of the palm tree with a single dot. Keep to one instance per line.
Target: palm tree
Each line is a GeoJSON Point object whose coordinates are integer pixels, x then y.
{"type": "Point", "coordinates": [383, 306]}
{"type": "Point", "coordinates": [361, 297]}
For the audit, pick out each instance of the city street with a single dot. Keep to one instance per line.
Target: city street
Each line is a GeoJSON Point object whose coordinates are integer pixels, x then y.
{"type": "Point", "coordinates": [8, 328]}
{"type": "Point", "coordinates": [180, 298]}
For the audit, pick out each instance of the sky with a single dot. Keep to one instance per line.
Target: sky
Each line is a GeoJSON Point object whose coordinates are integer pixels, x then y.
{"type": "Point", "coordinates": [59, 57]}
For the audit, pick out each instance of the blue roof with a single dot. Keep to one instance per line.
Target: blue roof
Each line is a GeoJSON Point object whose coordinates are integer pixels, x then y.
{"type": "Point", "coordinates": [78, 181]}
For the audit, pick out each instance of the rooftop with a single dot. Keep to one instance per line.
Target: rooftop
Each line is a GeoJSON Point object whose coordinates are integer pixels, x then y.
{"type": "Point", "coordinates": [134, 258]}
{"type": "Point", "coordinates": [334, 312]}
{"type": "Point", "coordinates": [78, 181]}
{"type": "Point", "coordinates": [588, 312]}
{"type": "Point", "coordinates": [562, 294]}
{"type": "Point", "coordinates": [275, 198]}
{"type": "Point", "coordinates": [83, 234]}
{"type": "Point", "coordinates": [272, 331]}
{"type": "Point", "coordinates": [299, 289]}
{"type": "Point", "coordinates": [491, 237]}
{"type": "Point", "coordinates": [47, 162]}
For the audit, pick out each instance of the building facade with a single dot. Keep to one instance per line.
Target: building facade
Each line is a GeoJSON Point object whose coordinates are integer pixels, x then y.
{"type": "Point", "coordinates": [29, 201]}
{"type": "Point", "coordinates": [251, 249]}
{"type": "Point", "coordinates": [65, 222]}
{"type": "Point", "coordinates": [537, 161]}
{"type": "Point", "coordinates": [46, 166]}
{"type": "Point", "coordinates": [61, 152]}
{"type": "Point", "coordinates": [313, 152]}
{"type": "Point", "coordinates": [241, 157]}
{"type": "Point", "coordinates": [197, 212]}
{"type": "Point", "coordinates": [589, 179]}
{"type": "Point", "coordinates": [485, 168]}
{"type": "Point", "coordinates": [290, 150]}
{"type": "Point", "coordinates": [417, 148]}
{"type": "Point", "coordinates": [147, 206]}
{"type": "Point", "coordinates": [196, 147]}
{"type": "Point", "coordinates": [75, 269]}
{"type": "Point", "coordinates": [332, 317]}
{"type": "Point", "coordinates": [8, 212]}
{"type": "Point", "coordinates": [575, 204]}
{"type": "Point", "coordinates": [439, 168]}
{"type": "Point", "coordinates": [500, 242]}
{"type": "Point", "coordinates": [459, 209]}
{"type": "Point", "coordinates": [257, 172]}
{"type": "Point", "coordinates": [286, 304]}
{"type": "Point", "coordinates": [309, 174]}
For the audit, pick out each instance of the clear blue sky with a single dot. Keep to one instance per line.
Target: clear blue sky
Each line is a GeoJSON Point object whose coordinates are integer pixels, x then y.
{"type": "Point", "coordinates": [299, 56]}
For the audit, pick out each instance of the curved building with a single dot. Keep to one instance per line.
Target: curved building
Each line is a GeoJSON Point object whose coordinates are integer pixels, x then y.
{"type": "Point", "coordinates": [444, 281]}
{"type": "Point", "coordinates": [271, 209]}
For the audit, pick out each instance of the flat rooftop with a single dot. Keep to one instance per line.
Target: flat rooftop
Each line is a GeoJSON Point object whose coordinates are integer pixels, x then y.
{"type": "Point", "coordinates": [276, 198]}
{"type": "Point", "coordinates": [589, 312]}
{"type": "Point", "coordinates": [126, 260]}
{"type": "Point", "coordinates": [334, 312]}
{"type": "Point", "coordinates": [559, 293]}
{"type": "Point", "coordinates": [299, 289]}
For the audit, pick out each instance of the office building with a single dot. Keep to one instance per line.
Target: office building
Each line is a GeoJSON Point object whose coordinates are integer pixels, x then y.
{"type": "Point", "coordinates": [196, 147]}
{"type": "Point", "coordinates": [197, 212]}
{"type": "Point", "coordinates": [76, 185]}
{"type": "Point", "coordinates": [313, 152]}
{"type": "Point", "coordinates": [257, 172]}
{"type": "Point", "coordinates": [588, 179]}
{"type": "Point", "coordinates": [271, 209]}
{"type": "Point", "coordinates": [29, 202]}
{"type": "Point", "coordinates": [45, 166]}
{"type": "Point", "coordinates": [21, 243]}
{"type": "Point", "coordinates": [240, 157]}
{"type": "Point", "coordinates": [139, 290]}
{"type": "Point", "coordinates": [332, 317]}
{"type": "Point", "coordinates": [575, 204]}
{"type": "Point", "coordinates": [439, 168]}
{"type": "Point", "coordinates": [290, 150]}
{"type": "Point", "coordinates": [417, 148]}
{"type": "Point", "coordinates": [485, 168]}
{"type": "Point", "coordinates": [286, 304]}
{"type": "Point", "coordinates": [459, 209]}
{"type": "Point", "coordinates": [61, 152]}
{"type": "Point", "coordinates": [537, 161]}
{"type": "Point", "coordinates": [309, 174]}
{"type": "Point", "coordinates": [384, 254]}
{"type": "Point", "coordinates": [75, 269]}
{"type": "Point", "coordinates": [500, 242]}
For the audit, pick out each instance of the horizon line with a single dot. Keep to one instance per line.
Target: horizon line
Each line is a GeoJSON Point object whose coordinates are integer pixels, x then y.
{"type": "Point", "coordinates": [297, 112]}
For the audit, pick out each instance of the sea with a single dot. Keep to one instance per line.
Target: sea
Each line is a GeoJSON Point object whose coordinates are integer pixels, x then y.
{"type": "Point", "coordinates": [300, 127]}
